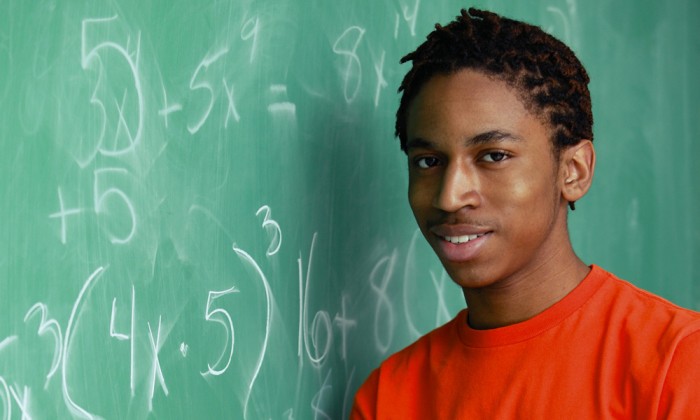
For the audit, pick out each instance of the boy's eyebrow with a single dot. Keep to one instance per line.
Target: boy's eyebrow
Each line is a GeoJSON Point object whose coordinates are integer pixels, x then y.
{"type": "Point", "coordinates": [419, 143]}
{"type": "Point", "coordinates": [493, 136]}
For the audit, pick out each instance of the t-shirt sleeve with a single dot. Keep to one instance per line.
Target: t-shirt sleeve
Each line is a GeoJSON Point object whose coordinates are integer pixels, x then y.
{"type": "Point", "coordinates": [365, 404]}
{"type": "Point", "coordinates": [680, 396]}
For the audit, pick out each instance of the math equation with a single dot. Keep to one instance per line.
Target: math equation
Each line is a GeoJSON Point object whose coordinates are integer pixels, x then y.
{"type": "Point", "coordinates": [194, 222]}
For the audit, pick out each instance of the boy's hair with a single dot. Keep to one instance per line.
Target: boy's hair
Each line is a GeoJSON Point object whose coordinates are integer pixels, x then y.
{"type": "Point", "coordinates": [548, 77]}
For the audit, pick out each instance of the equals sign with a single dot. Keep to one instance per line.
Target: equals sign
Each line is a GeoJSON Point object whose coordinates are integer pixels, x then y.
{"type": "Point", "coordinates": [284, 106]}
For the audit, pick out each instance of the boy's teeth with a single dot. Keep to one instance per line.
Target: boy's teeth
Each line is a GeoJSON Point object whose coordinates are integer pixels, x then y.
{"type": "Point", "coordinates": [461, 239]}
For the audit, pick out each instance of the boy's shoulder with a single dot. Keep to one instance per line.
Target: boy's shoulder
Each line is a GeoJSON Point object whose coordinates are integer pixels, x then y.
{"type": "Point", "coordinates": [611, 304]}
{"type": "Point", "coordinates": [627, 305]}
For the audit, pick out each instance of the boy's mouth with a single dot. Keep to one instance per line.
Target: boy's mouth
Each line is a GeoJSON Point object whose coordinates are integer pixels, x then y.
{"type": "Point", "coordinates": [462, 238]}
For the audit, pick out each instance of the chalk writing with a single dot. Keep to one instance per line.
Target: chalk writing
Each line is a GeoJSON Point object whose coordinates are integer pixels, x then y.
{"type": "Point", "coordinates": [156, 371]}
{"type": "Point", "coordinates": [344, 323]}
{"type": "Point", "coordinates": [204, 85]}
{"type": "Point", "coordinates": [6, 401]}
{"type": "Point", "coordinates": [168, 108]}
{"type": "Point", "coordinates": [443, 314]}
{"type": "Point", "coordinates": [96, 102]}
{"type": "Point", "coordinates": [321, 325]}
{"type": "Point", "coordinates": [348, 397]}
{"type": "Point", "coordinates": [222, 317]}
{"type": "Point", "coordinates": [384, 310]}
{"type": "Point", "coordinates": [7, 341]}
{"type": "Point", "coordinates": [22, 400]}
{"type": "Point", "coordinates": [246, 258]}
{"type": "Point", "coordinates": [62, 214]}
{"type": "Point", "coordinates": [397, 22]}
{"type": "Point", "coordinates": [283, 106]}
{"type": "Point", "coordinates": [74, 408]}
{"type": "Point", "coordinates": [411, 16]}
{"type": "Point", "coordinates": [130, 336]}
{"type": "Point", "coordinates": [381, 82]}
{"type": "Point", "coordinates": [144, 188]}
{"type": "Point", "coordinates": [565, 21]}
{"type": "Point", "coordinates": [406, 306]}
{"type": "Point", "coordinates": [352, 75]}
{"type": "Point", "coordinates": [317, 401]}
{"type": "Point", "coordinates": [112, 331]}
{"type": "Point", "coordinates": [101, 195]}
{"type": "Point", "coordinates": [52, 327]}
{"type": "Point", "coordinates": [273, 228]}
{"type": "Point", "coordinates": [251, 29]}
{"type": "Point", "coordinates": [90, 56]}
{"type": "Point", "coordinates": [231, 110]}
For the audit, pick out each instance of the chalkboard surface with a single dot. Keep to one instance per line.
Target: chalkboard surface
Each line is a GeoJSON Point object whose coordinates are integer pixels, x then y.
{"type": "Point", "coordinates": [202, 205]}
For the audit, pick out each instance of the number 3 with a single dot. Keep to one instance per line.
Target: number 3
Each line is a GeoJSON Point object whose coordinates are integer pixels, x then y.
{"type": "Point", "coordinates": [45, 326]}
{"type": "Point", "coordinates": [270, 224]}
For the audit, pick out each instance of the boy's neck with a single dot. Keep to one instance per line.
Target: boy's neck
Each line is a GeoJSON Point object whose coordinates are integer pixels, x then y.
{"type": "Point", "coordinates": [519, 299]}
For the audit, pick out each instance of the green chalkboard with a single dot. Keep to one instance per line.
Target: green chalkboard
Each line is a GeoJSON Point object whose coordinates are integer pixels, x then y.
{"type": "Point", "coordinates": [202, 205]}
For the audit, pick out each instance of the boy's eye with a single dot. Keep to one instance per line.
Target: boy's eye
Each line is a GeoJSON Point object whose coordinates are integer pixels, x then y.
{"type": "Point", "coordinates": [495, 156]}
{"type": "Point", "coordinates": [426, 162]}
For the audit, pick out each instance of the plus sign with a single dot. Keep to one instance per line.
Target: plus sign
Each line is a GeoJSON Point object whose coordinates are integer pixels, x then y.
{"type": "Point", "coordinates": [62, 214]}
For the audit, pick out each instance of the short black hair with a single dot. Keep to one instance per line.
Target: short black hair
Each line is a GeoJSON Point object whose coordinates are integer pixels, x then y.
{"type": "Point", "coordinates": [548, 76]}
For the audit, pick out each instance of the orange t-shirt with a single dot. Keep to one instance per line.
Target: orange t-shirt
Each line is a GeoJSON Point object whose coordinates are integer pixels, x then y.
{"type": "Point", "coordinates": [607, 350]}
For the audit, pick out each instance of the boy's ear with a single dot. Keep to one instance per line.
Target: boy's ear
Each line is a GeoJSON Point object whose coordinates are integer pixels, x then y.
{"type": "Point", "coordinates": [576, 170]}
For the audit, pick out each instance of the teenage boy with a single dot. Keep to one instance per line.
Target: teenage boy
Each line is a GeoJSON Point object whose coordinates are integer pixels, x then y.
{"type": "Point", "coordinates": [496, 121]}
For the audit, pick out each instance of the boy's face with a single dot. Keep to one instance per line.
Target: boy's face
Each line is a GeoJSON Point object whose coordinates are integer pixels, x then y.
{"type": "Point", "coordinates": [484, 183]}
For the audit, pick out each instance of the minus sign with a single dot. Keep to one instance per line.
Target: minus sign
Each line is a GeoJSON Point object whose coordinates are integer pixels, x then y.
{"type": "Point", "coordinates": [282, 107]}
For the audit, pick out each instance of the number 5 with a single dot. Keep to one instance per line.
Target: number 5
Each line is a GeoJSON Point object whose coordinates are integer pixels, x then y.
{"type": "Point", "coordinates": [222, 317]}
{"type": "Point", "coordinates": [101, 197]}
{"type": "Point", "coordinates": [208, 60]}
